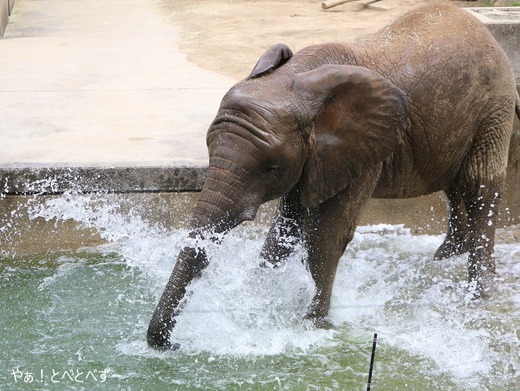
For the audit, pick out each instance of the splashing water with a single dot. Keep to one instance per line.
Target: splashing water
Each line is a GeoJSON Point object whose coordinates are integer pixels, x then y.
{"type": "Point", "coordinates": [242, 325]}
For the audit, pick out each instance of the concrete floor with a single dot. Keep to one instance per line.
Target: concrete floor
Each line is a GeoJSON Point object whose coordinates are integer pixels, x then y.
{"type": "Point", "coordinates": [95, 83]}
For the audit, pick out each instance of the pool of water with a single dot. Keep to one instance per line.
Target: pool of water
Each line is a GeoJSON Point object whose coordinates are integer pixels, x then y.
{"type": "Point", "coordinates": [77, 319]}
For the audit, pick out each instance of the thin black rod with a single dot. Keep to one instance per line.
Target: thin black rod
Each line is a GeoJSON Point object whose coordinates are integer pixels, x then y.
{"type": "Point", "coordinates": [372, 358]}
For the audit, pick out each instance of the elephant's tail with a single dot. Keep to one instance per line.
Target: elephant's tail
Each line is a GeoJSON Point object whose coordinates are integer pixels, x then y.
{"type": "Point", "coordinates": [517, 106]}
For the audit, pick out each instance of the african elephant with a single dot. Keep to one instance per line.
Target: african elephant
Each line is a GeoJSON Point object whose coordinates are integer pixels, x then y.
{"type": "Point", "coordinates": [426, 104]}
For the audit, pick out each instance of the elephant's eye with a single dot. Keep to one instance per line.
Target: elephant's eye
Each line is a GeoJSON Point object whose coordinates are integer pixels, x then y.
{"type": "Point", "coordinates": [272, 169]}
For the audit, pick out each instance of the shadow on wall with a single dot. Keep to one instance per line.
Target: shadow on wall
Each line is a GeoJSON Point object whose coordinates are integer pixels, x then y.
{"type": "Point", "coordinates": [6, 6]}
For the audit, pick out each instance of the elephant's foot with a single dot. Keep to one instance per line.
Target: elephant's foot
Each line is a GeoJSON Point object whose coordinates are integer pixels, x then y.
{"type": "Point", "coordinates": [450, 248]}
{"type": "Point", "coordinates": [274, 257]}
{"type": "Point", "coordinates": [319, 317]}
{"type": "Point", "coordinates": [320, 323]}
{"type": "Point", "coordinates": [484, 285]}
{"type": "Point", "coordinates": [270, 264]}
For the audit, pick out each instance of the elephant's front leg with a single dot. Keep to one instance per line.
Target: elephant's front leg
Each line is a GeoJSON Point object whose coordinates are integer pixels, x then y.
{"type": "Point", "coordinates": [329, 227]}
{"type": "Point", "coordinates": [286, 230]}
{"type": "Point", "coordinates": [325, 247]}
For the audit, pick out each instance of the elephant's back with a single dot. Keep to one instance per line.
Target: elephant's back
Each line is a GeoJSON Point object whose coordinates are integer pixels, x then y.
{"type": "Point", "coordinates": [445, 39]}
{"type": "Point", "coordinates": [433, 26]}
{"type": "Point", "coordinates": [451, 69]}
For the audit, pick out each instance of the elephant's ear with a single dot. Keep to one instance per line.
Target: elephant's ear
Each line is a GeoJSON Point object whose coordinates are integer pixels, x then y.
{"type": "Point", "coordinates": [358, 122]}
{"type": "Point", "coordinates": [273, 58]}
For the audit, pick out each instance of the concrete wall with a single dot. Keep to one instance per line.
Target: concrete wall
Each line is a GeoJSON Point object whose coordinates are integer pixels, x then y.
{"type": "Point", "coordinates": [6, 7]}
{"type": "Point", "coordinates": [504, 24]}
{"type": "Point", "coordinates": [4, 15]}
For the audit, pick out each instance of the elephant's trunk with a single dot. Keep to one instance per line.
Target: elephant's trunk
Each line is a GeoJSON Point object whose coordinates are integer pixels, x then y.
{"type": "Point", "coordinates": [189, 264]}
{"type": "Point", "coordinates": [213, 214]}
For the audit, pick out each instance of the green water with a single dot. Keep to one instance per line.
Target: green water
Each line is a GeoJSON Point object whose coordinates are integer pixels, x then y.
{"type": "Point", "coordinates": [66, 318]}
{"type": "Point", "coordinates": [77, 320]}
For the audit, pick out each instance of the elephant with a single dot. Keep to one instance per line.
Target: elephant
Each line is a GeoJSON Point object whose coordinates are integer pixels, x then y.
{"type": "Point", "coordinates": [426, 104]}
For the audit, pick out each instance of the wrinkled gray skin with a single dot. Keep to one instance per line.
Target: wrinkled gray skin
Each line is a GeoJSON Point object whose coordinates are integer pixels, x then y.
{"type": "Point", "coordinates": [426, 104]}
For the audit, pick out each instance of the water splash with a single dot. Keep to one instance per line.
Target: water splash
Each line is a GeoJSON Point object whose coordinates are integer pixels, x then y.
{"type": "Point", "coordinates": [387, 282]}
{"type": "Point", "coordinates": [114, 220]}
{"type": "Point", "coordinates": [424, 306]}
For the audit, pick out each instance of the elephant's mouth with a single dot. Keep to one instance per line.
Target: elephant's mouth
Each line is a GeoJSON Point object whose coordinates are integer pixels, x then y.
{"type": "Point", "coordinates": [248, 214]}
{"type": "Point", "coordinates": [227, 223]}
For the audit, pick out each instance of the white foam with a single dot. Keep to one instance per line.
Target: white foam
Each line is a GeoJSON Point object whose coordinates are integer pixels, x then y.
{"type": "Point", "coordinates": [113, 220]}
{"type": "Point", "coordinates": [65, 268]}
{"type": "Point", "coordinates": [391, 285]}
{"type": "Point", "coordinates": [386, 282]}
{"type": "Point", "coordinates": [240, 308]}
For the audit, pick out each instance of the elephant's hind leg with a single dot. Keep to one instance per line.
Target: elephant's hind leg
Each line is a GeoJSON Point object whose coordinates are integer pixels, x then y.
{"type": "Point", "coordinates": [456, 242]}
{"type": "Point", "coordinates": [483, 177]}
{"type": "Point", "coordinates": [482, 212]}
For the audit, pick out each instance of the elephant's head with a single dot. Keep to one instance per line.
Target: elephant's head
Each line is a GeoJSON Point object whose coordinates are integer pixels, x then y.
{"type": "Point", "coordinates": [284, 128]}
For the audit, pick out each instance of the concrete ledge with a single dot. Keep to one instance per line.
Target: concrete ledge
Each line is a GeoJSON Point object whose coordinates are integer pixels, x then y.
{"type": "Point", "coordinates": [504, 24]}
{"type": "Point", "coordinates": [26, 180]}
